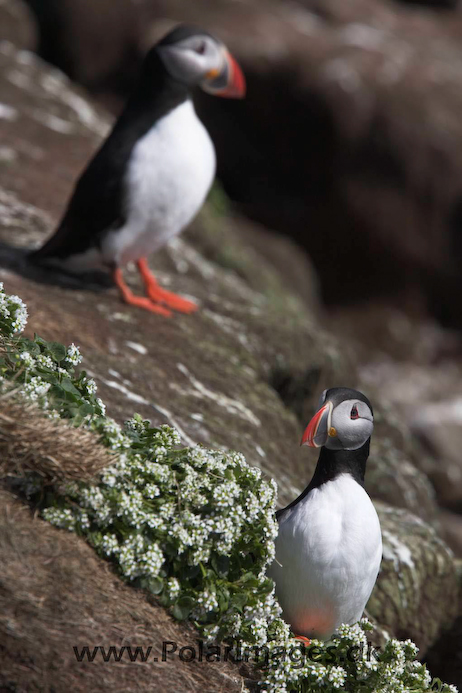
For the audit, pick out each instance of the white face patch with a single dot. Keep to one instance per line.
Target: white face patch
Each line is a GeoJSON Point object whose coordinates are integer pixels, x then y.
{"type": "Point", "coordinates": [353, 423]}
{"type": "Point", "coordinates": [192, 59]}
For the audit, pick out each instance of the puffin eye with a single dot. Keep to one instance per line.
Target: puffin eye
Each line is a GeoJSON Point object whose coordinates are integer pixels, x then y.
{"type": "Point", "coordinates": [354, 414]}
{"type": "Point", "coordinates": [201, 48]}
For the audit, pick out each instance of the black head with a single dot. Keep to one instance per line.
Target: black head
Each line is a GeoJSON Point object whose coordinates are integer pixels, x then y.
{"type": "Point", "coordinates": [344, 420]}
{"type": "Point", "coordinates": [194, 57]}
{"type": "Point", "coordinates": [182, 32]}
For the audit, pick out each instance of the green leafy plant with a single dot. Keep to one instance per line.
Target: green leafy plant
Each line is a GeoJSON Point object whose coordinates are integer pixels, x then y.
{"type": "Point", "coordinates": [193, 526]}
{"type": "Point", "coordinates": [44, 371]}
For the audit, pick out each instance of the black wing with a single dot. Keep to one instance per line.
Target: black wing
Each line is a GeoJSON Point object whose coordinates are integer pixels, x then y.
{"type": "Point", "coordinates": [281, 511]}
{"type": "Point", "coordinates": [98, 202]}
{"type": "Point", "coordinates": [96, 206]}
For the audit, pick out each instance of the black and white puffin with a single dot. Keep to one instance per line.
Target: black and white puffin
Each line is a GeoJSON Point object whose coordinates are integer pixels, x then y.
{"type": "Point", "coordinates": [152, 174]}
{"type": "Point", "coordinates": [329, 546]}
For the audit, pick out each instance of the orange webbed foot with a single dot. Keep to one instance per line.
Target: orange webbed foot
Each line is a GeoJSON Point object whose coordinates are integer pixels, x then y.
{"type": "Point", "coordinates": [159, 295]}
{"type": "Point", "coordinates": [306, 641]}
{"type": "Point", "coordinates": [138, 301]}
{"type": "Point", "coordinates": [147, 304]}
{"type": "Point", "coordinates": [182, 305]}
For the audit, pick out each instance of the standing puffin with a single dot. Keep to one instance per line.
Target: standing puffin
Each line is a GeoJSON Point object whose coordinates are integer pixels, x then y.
{"type": "Point", "coordinates": [152, 174]}
{"type": "Point", "coordinates": [329, 546]}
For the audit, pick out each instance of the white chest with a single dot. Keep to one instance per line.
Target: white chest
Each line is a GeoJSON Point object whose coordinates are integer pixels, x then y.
{"type": "Point", "coordinates": [329, 549]}
{"type": "Point", "coordinates": [169, 175]}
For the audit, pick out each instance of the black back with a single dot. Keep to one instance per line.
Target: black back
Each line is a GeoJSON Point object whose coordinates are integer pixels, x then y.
{"type": "Point", "coordinates": [98, 202]}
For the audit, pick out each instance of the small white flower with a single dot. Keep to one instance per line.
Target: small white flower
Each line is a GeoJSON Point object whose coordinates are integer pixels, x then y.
{"type": "Point", "coordinates": [63, 518]}
{"type": "Point", "coordinates": [83, 520]}
{"type": "Point", "coordinates": [207, 601]}
{"type": "Point", "coordinates": [109, 544]}
{"type": "Point", "coordinates": [101, 405]}
{"type": "Point", "coordinates": [151, 562]}
{"type": "Point", "coordinates": [36, 388]}
{"type": "Point", "coordinates": [73, 355]}
{"type": "Point", "coordinates": [90, 386]}
{"type": "Point", "coordinates": [173, 589]}
{"type": "Point", "coordinates": [337, 676]}
{"type": "Point", "coordinates": [27, 359]}
{"type": "Point", "coordinates": [17, 312]}
{"type": "Point", "coordinates": [151, 491]}
{"type": "Point", "coordinates": [46, 362]}
{"type": "Point", "coordinates": [259, 631]}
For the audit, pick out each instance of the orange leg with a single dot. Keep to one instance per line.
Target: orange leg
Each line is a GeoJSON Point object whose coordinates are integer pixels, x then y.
{"type": "Point", "coordinates": [139, 301]}
{"type": "Point", "coordinates": [303, 639]}
{"type": "Point", "coordinates": [159, 295]}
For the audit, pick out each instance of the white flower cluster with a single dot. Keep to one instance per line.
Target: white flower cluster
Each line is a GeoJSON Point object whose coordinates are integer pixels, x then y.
{"type": "Point", "coordinates": [113, 435]}
{"type": "Point", "coordinates": [396, 671]}
{"type": "Point", "coordinates": [173, 589]}
{"type": "Point", "coordinates": [194, 503]}
{"type": "Point", "coordinates": [38, 367]}
{"type": "Point", "coordinates": [110, 545]}
{"type": "Point", "coordinates": [90, 386]}
{"type": "Point", "coordinates": [13, 313]}
{"type": "Point", "coordinates": [61, 517]}
{"type": "Point", "coordinates": [46, 362]}
{"type": "Point", "coordinates": [336, 676]}
{"type": "Point", "coordinates": [73, 355]}
{"type": "Point", "coordinates": [233, 625]}
{"type": "Point", "coordinates": [206, 601]}
{"type": "Point", "coordinates": [186, 522]}
{"type": "Point", "coordinates": [152, 561]}
{"type": "Point", "coordinates": [36, 389]}
{"type": "Point", "coordinates": [27, 359]}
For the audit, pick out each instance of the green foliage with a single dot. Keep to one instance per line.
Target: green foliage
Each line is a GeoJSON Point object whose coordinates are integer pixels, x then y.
{"type": "Point", "coordinates": [192, 526]}
{"type": "Point", "coordinates": [44, 372]}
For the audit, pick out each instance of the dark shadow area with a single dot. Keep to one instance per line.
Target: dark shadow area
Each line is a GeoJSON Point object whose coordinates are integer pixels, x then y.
{"type": "Point", "coordinates": [444, 658]}
{"type": "Point", "coordinates": [296, 390]}
{"type": "Point", "coordinates": [293, 184]}
{"type": "Point", "coordinates": [16, 260]}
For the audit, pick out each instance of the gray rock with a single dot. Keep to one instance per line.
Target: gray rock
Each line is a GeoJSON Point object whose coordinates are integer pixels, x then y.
{"type": "Point", "coordinates": [416, 593]}
{"type": "Point", "coordinates": [17, 24]}
{"type": "Point", "coordinates": [243, 373]}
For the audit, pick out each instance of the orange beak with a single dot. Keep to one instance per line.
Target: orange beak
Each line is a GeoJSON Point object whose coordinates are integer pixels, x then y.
{"type": "Point", "coordinates": [236, 87]}
{"type": "Point", "coordinates": [230, 82]}
{"type": "Point", "coordinates": [317, 431]}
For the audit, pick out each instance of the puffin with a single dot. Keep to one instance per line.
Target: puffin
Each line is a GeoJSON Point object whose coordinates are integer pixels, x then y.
{"type": "Point", "coordinates": [152, 174]}
{"type": "Point", "coordinates": [329, 545]}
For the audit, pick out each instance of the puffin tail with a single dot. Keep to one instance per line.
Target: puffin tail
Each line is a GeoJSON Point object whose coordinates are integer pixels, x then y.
{"type": "Point", "coordinates": [51, 251]}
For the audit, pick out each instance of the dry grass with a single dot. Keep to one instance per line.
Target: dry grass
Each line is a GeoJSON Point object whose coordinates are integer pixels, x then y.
{"type": "Point", "coordinates": [55, 593]}
{"type": "Point", "coordinates": [31, 442]}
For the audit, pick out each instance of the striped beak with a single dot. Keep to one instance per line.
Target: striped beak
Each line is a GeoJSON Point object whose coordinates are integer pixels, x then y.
{"type": "Point", "coordinates": [317, 431]}
{"type": "Point", "coordinates": [229, 82]}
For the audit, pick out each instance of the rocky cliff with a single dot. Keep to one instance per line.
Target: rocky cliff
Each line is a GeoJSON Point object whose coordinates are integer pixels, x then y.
{"type": "Point", "coordinates": [243, 373]}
